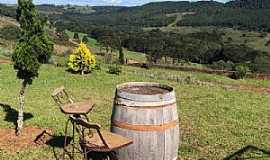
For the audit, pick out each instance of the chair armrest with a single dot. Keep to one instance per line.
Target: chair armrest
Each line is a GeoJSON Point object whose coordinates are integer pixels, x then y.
{"type": "Point", "coordinates": [85, 124]}
{"type": "Point", "coordinates": [93, 125]}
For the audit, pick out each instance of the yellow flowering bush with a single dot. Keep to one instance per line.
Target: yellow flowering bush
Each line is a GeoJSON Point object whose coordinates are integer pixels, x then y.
{"type": "Point", "coordinates": [81, 60]}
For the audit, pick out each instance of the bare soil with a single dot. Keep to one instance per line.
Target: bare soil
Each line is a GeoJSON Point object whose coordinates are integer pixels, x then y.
{"type": "Point", "coordinates": [12, 144]}
{"type": "Point", "coordinates": [145, 90]}
{"type": "Point", "coordinates": [5, 61]}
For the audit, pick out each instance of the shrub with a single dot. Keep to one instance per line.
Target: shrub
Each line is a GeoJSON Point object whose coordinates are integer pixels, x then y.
{"type": "Point", "coordinates": [98, 66]}
{"type": "Point", "coordinates": [85, 39]}
{"type": "Point", "coordinates": [262, 35]}
{"type": "Point", "coordinates": [240, 72]}
{"type": "Point", "coordinates": [63, 36]}
{"type": "Point", "coordinates": [76, 36]}
{"type": "Point", "coordinates": [267, 43]}
{"type": "Point", "coordinates": [121, 56]}
{"type": "Point", "coordinates": [115, 69]}
{"type": "Point", "coordinates": [82, 60]}
{"type": "Point", "coordinates": [261, 64]}
{"type": "Point", "coordinates": [108, 57]}
{"type": "Point", "coordinates": [222, 65]}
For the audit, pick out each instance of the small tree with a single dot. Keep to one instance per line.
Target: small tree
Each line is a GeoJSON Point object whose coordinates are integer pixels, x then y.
{"type": "Point", "coordinates": [121, 56]}
{"type": "Point", "coordinates": [76, 36]}
{"type": "Point", "coordinates": [85, 39]}
{"type": "Point", "coordinates": [34, 47]}
{"type": "Point", "coordinates": [240, 72]}
{"type": "Point", "coordinates": [63, 36]}
{"type": "Point", "coordinates": [82, 60]}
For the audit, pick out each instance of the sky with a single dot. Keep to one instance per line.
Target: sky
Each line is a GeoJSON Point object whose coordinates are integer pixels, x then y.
{"type": "Point", "coordinates": [93, 2]}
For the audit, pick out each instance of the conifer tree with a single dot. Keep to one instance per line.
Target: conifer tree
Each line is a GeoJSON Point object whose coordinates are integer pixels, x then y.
{"type": "Point", "coordinates": [85, 39]}
{"type": "Point", "coordinates": [76, 36]}
{"type": "Point", "coordinates": [34, 47]}
{"type": "Point", "coordinates": [121, 55]}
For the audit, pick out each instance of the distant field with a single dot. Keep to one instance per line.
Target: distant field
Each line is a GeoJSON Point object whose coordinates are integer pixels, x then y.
{"type": "Point", "coordinates": [214, 121]}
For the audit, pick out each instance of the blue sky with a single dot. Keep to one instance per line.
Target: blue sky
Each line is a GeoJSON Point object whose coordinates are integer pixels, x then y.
{"type": "Point", "coordinates": [93, 2]}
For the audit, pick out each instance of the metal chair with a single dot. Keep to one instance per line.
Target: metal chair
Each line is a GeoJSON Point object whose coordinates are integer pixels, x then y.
{"type": "Point", "coordinates": [93, 140]}
{"type": "Point", "coordinates": [69, 107]}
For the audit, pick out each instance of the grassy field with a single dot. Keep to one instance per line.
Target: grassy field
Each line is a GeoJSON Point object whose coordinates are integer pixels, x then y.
{"type": "Point", "coordinates": [214, 121]}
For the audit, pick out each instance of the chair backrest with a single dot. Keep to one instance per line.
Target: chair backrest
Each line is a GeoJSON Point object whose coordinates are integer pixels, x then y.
{"type": "Point", "coordinates": [61, 97]}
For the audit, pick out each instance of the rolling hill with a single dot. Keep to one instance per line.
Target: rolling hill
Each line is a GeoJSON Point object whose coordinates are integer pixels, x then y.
{"type": "Point", "coordinates": [200, 32]}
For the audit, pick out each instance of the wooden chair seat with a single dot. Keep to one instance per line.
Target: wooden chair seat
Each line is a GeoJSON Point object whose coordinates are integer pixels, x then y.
{"type": "Point", "coordinates": [94, 143]}
{"type": "Point", "coordinates": [77, 108]}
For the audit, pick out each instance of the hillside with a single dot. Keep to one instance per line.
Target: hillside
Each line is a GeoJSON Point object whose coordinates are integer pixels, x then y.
{"type": "Point", "coordinates": [251, 4]}
{"type": "Point", "coordinates": [239, 35]}
{"type": "Point", "coordinates": [9, 32]}
{"type": "Point", "coordinates": [248, 14]}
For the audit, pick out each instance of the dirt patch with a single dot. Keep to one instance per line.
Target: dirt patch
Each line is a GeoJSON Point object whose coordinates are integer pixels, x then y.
{"type": "Point", "coordinates": [62, 49]}
{"type": "Point", "coordinates": [131, 61]}
{"type": "Point", "coordinates": [5, 61]}
{"type": "Point", "coordinates": [12, 144]}
{"type": "Point", "coordinates": [6, 21]}
{"type": "Point", "coordinates": [145, 90]}
{"type": "Point", "coordinates": [250, 88]}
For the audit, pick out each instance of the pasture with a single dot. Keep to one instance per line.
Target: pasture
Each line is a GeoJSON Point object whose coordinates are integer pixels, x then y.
{"type": "Point", "coordinates": [214, 121]}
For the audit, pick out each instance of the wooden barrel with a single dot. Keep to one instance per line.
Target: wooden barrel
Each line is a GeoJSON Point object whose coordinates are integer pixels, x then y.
{"type": "Point", "coordinates": [146, 113]}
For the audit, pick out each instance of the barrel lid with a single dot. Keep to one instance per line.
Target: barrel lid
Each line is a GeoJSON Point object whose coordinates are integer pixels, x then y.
{"type": "Point", "coordinates": [145, 92]}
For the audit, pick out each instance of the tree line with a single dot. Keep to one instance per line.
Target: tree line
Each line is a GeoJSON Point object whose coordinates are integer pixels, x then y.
{"type": "Point", "coordinates": [202, 47]}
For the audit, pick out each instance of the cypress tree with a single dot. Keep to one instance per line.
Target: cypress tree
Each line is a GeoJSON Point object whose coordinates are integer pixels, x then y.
{"type": "Point", "coordinates": [34, 47]}
{"type": "Point", "coordinates": [121, 55]}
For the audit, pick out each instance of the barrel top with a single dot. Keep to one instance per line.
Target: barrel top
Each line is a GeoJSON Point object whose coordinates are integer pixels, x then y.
{"type": "Point", "coordinates": [145, 92]}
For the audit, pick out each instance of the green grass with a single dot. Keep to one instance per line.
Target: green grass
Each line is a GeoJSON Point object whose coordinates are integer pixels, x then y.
{"type": "Point", "coordinates": [215, 79]}
{"type": "Point", "coordinates": [214, 121]}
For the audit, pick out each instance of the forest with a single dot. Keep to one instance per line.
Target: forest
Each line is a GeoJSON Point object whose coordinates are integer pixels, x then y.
{"type": "Point", "coordinates": [116, 26]}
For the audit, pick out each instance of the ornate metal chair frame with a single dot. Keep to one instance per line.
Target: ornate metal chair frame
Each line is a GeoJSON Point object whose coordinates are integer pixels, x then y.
{"type": "Point", "coordinates": [82, 126]}
{"type": "Point", "coordinates": [62, 99]}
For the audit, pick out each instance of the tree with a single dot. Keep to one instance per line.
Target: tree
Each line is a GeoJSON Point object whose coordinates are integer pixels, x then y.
{"type": "Point", "coordinates": [85, 39]}
{"type": "Point", "coordinates": [34, 47]}
{"type": "Point", "coordinates": [121, 55]}
{"type": "Point", "coordinates": [76, 36]}
{"type": "Point", "coordinates": [63, 36]}
{"type": "Point", "coordinates": [82, 60]}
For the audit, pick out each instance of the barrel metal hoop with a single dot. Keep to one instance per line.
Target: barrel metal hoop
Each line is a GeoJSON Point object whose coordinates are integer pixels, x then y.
{"type": "Point", "coordinates": [172, 105]}
{"type": "Point", "coordinates": [145, 128]}
{"type": "Point", "coordinates": [120, 101]}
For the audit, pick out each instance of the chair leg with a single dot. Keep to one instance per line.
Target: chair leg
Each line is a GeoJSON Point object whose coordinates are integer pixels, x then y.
{"type": "Point", "coordinates": [73, 139]}
{"type": "Point", "coordinates": [85, 153]}
{"type": "Point", "coordinates": [86, 117]}
{"type": "Point", "coordinates": [113, 156]}
{"type": "Point", "coordinates": [65, 141]}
